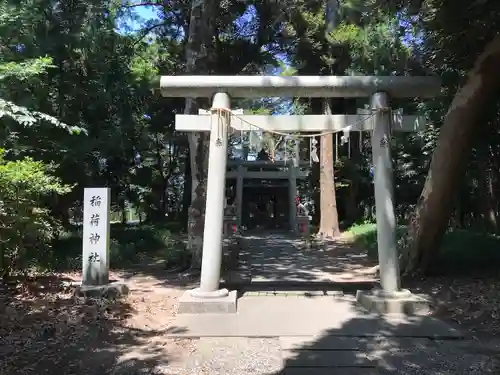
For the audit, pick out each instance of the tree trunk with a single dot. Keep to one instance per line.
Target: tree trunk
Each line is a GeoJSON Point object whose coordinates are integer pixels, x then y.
{"type": "Point", "coordinates": [351, 199]}
{"type": "Point", "coordinates": [198, 150]}
{"type": "Point", "coordinates": [329, 221]}
{"type": "Point", "coordinates": [164, 179]}
{"type": "Point", "coordinates": [199, 43]}
{"type": "Point", "coordinates": [488, 197]}
{"type": "Point", "coordinates": [429, 221]}
{"type": "Point", "coordinates": [123, 210]}
{"type": "Point", "coordinates": [490, 214]}
{"type": "Point", "coordinates": [186, 193]}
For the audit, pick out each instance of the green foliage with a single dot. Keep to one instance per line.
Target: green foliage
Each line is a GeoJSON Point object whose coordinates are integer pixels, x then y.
{"type": "Point", "coordinates": [66, 62]}
{"type": "Point", "coordinates": [346, 34]}
{"type": "Point", "coordinates": [129, 245]}
{"type": "Point", "coordinates": [144, 65]}
{"type": "Point", "coordinates": [24, 221]}
{"type": "Point", "coordinates": [375, 48]}
{"type": "Point", "coordinates": [26, 117]}
{"type": "Point", "coordinates": [456, 255]}
{"type": "Point", "coordinates": [25, 69]}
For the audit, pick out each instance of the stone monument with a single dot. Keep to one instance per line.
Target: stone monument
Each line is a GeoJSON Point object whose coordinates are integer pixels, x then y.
{"type": "Point", "coordinates": [96, 240]}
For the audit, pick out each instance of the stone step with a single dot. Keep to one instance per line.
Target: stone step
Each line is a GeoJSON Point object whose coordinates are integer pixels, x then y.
{"type": "Point", "coordinates": [328, 358]}
{"type": "Point", "coordinates": [322, 343]}
{"type": "Point", "coordinates": [357, 343]}
{"type": "Point", "coordinates": [301, 316]}
{"type": "Point", "coordinates": [329, 371]}
{"type": "Point", "coordinates": [257, 284]}
{"type": "Point", "coordinates": [292, 293]}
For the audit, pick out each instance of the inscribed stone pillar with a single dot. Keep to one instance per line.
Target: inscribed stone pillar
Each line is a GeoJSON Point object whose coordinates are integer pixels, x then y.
{"type": "Point", "coordinates": [95, 259]}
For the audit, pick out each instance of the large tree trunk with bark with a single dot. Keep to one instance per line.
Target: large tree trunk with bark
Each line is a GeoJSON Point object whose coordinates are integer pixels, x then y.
{"type": "Point", "coordinates": [198, 52]}
{"type": "Point", "coordinates": [329, 221]}
{"type": "Point", "coordinates": [430, 219]}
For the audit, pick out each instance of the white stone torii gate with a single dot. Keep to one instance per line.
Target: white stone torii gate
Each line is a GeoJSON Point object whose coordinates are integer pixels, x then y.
{"type": "Point", "coordinates": [381, 121]}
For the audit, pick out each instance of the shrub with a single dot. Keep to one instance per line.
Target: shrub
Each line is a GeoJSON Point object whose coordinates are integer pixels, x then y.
{"type": "Point", "coordinates": [129, 244]}
{"type": "Point", "coordinates": [26, 226]}
{"type": "Point", "coordinates": [461, 251]}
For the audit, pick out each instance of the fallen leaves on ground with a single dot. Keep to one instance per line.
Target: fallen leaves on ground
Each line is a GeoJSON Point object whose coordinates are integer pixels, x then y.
{"type": "Point", "coordinates": [44, 329]}
{"type": "Point", "coordinates": [471, 302]}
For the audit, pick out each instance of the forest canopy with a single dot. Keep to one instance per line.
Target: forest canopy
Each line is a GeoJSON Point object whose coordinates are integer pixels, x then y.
{"type": "Point", "coordinates": [76, 95]}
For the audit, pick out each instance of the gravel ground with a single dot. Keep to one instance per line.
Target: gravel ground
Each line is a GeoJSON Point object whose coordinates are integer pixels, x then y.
{"type": "Point", "coordinates": [236, 356]}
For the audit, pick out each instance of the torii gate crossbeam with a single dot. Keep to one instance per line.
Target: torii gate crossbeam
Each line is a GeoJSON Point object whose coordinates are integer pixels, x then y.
{"type": "Point", "coordinates": [299, 86]}
{"type": "Point", "coordinates": [208, 297]}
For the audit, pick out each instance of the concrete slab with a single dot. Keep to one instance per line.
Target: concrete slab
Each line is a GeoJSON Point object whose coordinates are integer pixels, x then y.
{"type": "Point", "coordinates": [302, 316]}
{"type": "Point", "coordinates": [409, 305]}
{"type": "Point", "coordinates": [217, 305]}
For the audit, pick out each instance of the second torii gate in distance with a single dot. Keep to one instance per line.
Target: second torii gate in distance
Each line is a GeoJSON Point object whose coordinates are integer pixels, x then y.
{"type": "Point", "coordinates": [381, 122]}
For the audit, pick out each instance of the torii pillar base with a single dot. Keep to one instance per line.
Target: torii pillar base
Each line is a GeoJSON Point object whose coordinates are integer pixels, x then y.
{"type": "Point", "coordinates": [219, 302]}
{"type": "Point", "coordinates": [400, 302]}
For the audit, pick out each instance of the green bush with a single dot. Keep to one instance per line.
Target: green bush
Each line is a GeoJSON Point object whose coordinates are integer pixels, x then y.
{"type": "Point", "coordinates": [461, 251]}
{"type": "Point", "coordinates": [26, 226]}
{"type": "Point", "coordinates": [129, 244]}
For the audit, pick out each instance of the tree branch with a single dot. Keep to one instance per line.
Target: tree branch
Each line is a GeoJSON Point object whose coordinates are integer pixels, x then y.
{"type": "Point", "coordinates": [146, 32]}
{"type": "Point", "coordinates": [145, 4]}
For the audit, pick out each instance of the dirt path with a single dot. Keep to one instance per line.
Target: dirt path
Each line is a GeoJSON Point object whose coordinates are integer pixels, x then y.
{"type": "Point", "coordinates": [44, 330]}
{"type": "Point", "coordinates": [282, 258]}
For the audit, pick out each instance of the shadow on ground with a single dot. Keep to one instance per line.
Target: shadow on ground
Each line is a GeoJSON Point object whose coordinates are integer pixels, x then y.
{"type": "Point", "coordinates": [360, 344]}
{"type": "Point", "coordinates": [277, 258]}
{"type": "Point", "coordinates": [386, 350]}
{"type": "Point", "coordinates": [45, 330]}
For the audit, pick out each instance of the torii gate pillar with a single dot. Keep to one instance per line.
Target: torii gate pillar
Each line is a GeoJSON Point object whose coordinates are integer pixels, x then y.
{"type": "Point", "coordinates": [214, 211]}
{"type": "Point", "coordinates": [208, 298]}
{"type": "Point", "coordinates": [384, 194]}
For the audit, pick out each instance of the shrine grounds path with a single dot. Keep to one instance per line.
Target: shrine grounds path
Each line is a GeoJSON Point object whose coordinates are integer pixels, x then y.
{"type": "Point", "coordinates": [296, 316]}
{"type": "Point", "coordinates": [282, 260]}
